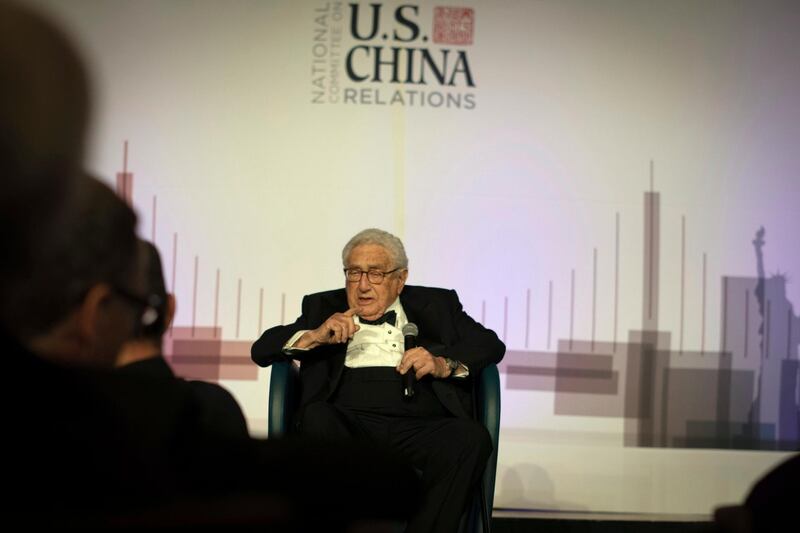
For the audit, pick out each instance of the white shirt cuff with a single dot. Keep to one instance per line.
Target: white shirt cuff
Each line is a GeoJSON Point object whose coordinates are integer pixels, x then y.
{"type": "Point", "coordinates": [289, 346]}
{"type": "Point", "coordinates": [462, 371]}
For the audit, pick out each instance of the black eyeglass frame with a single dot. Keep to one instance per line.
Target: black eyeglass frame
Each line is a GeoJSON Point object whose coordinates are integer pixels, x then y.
{"type": "Point", "coordinates": [371, 274]}
{"type": "Point", "coordinates": [151, 305]}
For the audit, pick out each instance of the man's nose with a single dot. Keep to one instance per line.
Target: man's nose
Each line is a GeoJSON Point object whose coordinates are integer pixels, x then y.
{"type": "Point", "coordinates": [363, 283]}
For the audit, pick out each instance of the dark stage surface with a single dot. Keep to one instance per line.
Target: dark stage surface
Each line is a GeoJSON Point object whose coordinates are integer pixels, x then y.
{"type": "Point", "coordinates": [509, 521]}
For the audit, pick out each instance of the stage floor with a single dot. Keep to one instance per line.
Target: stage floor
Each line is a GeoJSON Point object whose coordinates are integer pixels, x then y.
{"type": "Point", "coordinates": [520, 521]}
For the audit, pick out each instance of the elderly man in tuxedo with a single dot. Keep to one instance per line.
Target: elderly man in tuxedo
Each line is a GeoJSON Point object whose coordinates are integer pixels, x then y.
{"type": "Point", "coordinates": [350, 345]}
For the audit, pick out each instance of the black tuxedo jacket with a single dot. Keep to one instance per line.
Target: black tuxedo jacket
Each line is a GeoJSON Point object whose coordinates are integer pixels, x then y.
{"type": "Point", "coordinates": [444, 330]}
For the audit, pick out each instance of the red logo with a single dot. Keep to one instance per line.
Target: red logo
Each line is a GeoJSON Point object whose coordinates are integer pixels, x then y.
{"type": "Point", "coordinates": [453, 25]}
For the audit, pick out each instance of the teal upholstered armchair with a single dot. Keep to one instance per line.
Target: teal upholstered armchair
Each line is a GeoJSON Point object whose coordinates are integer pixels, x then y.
{"type": "Point", "coordinates": [284, 395]}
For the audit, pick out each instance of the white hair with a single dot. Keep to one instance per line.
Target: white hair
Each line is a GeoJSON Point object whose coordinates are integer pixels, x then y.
{"type": "Point", "coordinates": [392, 244]}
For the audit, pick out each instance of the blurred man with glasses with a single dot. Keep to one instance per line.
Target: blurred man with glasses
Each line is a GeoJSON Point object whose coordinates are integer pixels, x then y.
{"type": "Point", "coordinates": [350, 345]}
{"type": "Point", "coordinates": [74, 307]}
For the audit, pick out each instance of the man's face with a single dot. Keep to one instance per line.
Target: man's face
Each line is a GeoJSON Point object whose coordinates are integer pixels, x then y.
{"type": "Point", "coordinates": [118, 320]}
{"type": "Point", "coordinates": [115, 324]}
{"type": "Point", "coordinates": [371, 299]}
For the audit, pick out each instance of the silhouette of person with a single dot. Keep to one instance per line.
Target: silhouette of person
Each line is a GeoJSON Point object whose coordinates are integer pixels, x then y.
{"type": "Point", "coordinates": [142, 355]}
{"type": "Point", "coordinates": [44, 102]}
{"type": "Point", "coordinates": [770, 505]}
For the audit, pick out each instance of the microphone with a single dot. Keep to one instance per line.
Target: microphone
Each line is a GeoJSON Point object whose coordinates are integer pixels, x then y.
{"type": "Point", "coordinates": [410, 332]}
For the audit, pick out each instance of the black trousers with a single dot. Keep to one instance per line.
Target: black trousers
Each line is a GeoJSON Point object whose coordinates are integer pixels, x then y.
{"type": "Point", "coordinates": [450, 452]}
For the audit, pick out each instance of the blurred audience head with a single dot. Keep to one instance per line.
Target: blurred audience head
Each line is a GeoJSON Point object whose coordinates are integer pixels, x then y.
{"type": "Point", "coordinates": [159, 309]}
{"type": "Point", "coordinates": [44, 105]}
{"type": "Point", "coordinates": [85, 297]}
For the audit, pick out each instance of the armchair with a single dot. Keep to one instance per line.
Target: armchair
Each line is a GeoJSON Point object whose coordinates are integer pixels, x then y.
{"type": "Point", "coordinates": [284, 394]}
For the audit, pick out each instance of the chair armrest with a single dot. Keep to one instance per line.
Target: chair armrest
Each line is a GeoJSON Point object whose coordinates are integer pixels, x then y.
{"type": "Point", "coordinates": [488, 406]}
{"type": "Point", "coordinates": [284, 389]}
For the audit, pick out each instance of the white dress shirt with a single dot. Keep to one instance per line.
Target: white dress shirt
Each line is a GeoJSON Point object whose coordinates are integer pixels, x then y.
{"type": "Point", "coordinates": [373, 346]}
{"type": "Point", "coordinates": [377, 345]}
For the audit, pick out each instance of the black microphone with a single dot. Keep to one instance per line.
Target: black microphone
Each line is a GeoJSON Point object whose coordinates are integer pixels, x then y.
{"type": "Point", "coordinates": [410, 332]}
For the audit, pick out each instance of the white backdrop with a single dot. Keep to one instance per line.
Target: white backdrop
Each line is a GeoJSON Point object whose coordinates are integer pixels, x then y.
{"type": "Point", "coordinates": [606, 157]}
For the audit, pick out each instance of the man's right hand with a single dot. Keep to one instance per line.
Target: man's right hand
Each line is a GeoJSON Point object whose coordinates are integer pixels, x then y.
{"type": "Point", "coordinates": [338, 329]}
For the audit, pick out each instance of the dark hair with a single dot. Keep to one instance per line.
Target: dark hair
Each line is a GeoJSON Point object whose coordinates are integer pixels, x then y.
{"type": "Point", "coordinates": [44, 105]}
{"type": "Point", "coordinates": [155, 289]}
{"type": "Point", "coordinates": [96, 245]}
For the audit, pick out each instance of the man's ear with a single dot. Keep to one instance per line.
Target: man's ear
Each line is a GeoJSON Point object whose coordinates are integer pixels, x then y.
{"type": "Point", "coordinates": [403, 278]}
{"type": "Point", "coordinates": [90, 309]}
{"type": "Point", "coordinates": [170, 310]}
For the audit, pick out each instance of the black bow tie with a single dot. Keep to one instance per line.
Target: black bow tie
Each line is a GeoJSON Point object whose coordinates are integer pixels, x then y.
{"type": "Point", "coordinates": [390, 317]}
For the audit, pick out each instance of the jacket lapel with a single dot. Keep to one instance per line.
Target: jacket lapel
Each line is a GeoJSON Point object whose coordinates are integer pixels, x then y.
{"type": "Point", "coordinates": [421, 311]}
{"type": "Point", "coordinates": [413, 306]}
{"type": "Point", "coordinates": [333, 302]}
{"type": "Point", "coordinates": [418, 311]}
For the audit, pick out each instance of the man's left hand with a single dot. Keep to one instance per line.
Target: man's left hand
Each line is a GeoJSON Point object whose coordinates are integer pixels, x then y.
{"type": "Point", "coordinates": [423, 363]}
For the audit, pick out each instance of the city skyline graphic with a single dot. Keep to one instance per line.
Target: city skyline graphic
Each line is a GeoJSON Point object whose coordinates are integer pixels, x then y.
{"type": "Point", "coordinates": [745, 395]}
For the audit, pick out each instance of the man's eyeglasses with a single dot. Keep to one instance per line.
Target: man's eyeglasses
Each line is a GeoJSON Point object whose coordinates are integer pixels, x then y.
{"type": "Point", "coordinates": [150, 306]}
{"type": "Point", "coordinates": [374, 276]}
